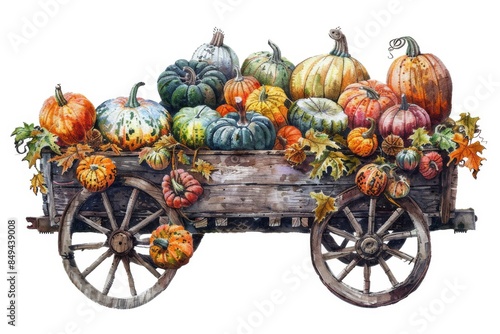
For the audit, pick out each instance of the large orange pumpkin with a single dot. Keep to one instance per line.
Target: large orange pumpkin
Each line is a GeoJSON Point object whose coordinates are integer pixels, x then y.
{"type": "Point", "coordinates": [69, 116]}
{"type": "Point", "coordinates": [366, 99]}
{"type": "Point", "coordinates": [327, 75]}
{"type": "Point", "coordinates": [423, 78]}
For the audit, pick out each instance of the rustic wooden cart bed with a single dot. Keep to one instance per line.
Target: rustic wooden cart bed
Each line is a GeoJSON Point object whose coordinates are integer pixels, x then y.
{"type": "Point", "coordinates": [370, 252]}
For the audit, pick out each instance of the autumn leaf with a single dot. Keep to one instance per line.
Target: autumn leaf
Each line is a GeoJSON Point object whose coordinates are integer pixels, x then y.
{"type": "Point", "coordinates": [204, 168]}
{"type": "Point", "coordinates": [295, 154]}
{"type": "Point", "coordinates": [38, 184]}
{"type": "Point", "coordinates": [467, 153]}
{"type": "Point", "coordinates": [143, 153]}
{"type": "Point", "coordinates": [329, 161]}
{"type": "Point", "coordinates": [468, 123]}
{"type": "Point", "coordinates": [109, 146]}
{"type": "Point", "coordinates": [324, 206]}
{"type": "Point", "coordinates": [183, 158]}
{"type": "Point", "coordinates": [166, 141]}
{"type": "Point", "coordinates": [317, 142]}
{"type": "Point", "coordinates": [40, 138]}
{"type": "Point", "coordinates": [72, 153]}
{"type": "Point", "coordinates": [443, 139]}
{"type": "Point", "coordinates": [420, 137]}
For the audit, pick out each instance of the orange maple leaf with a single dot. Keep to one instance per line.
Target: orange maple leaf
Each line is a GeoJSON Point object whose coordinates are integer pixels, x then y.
{"type": "Point", "coordinates": [467, 153]}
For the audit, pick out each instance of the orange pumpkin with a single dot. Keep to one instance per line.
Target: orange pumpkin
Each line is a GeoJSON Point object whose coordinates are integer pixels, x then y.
{"type": "Point", "coordinates": [363, 141]}
{"type": "Point", "coordinates": [225, 109]}
{"type": "Point", "coordinates": [240, 86]}
{"type": "Point", "coordinates": [423, 78]}
{"type": "Point", "coordinates": [392, 144]}
{"type": "Point", "coordinates": [96, 172]}
{"type": "Point", "coordinates": [366, 99]}
{"type": "Point", "coordinates": [398, 186]}
{"type": "Point", "coordinates": [371, 179]}
{"type": "Point", "coordinates": [269, 101]}
{"type": "Point", "coordinates": [287, 136]}
{"type": "Point", "coordinates": [69, 116]}
{"type": "Point", "coordinates": [430, 165]}
{"type": "Point", "coordinates": [171, 246]}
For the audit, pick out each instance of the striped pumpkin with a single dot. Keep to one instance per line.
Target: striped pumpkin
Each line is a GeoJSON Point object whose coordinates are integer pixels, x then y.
{"type": "Point", "coordinates": [319, 76]}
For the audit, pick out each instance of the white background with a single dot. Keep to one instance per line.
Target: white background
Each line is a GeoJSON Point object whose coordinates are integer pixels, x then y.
{"type": "Point", "coordinates": [100, 49]}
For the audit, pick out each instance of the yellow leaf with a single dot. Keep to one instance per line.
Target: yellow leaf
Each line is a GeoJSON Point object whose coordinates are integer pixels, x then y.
{"type": "Point", "coordinates": [324, 206]}
{"type": "Point", "coordinates": [38, 183]}
{"type": "Point", "coordinates": [204, 168]}
{"type": "Point", "coordinates": [317, 142]}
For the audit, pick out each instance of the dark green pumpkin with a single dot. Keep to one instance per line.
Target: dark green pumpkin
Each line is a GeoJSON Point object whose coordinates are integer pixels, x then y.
{"type": "Point", "coordinates": [191, 83]}
{"type": "Point", "coordinates": [190, 123]}
{"type": "Point", "coordinates": [242, 130]}
{"type": "Point", "coordinates": [317, 113]}
{"type": "Point", "coordinates": [269, 68]}
{"type": "Point", "coordinates": [408, 158]}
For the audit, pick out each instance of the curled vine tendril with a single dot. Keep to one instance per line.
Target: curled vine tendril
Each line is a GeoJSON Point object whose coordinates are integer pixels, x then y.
{"type": "Point", "coordinates": [396, 43]}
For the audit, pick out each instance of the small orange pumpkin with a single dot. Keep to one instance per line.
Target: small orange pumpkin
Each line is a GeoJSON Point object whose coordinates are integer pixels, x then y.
{"type": "Point", "coordinates": [240, 86]}
{"type": "Point", "coordinates": [392, 144]}
{"type": "Point", "coordinates": [171, 246]}
{"type": "Point", "coordinates": [69, 116]}
{"type": "Point", "coordinates": [287, 136]}
{"type": "Point", "coordinates": [371, 179]}
{"type": "Point", "coordinates": [363, 141]}
{"type": "Point", "coordinates": [431, 164]}
{"type": "Point", "coordinates": [96, 172]}
{"type": "Point", "coordinates": [397, 187]}
{"type": "Point", "coordinates": [225, 109]}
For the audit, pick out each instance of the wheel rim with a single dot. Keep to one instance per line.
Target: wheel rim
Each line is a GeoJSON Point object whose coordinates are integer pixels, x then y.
{"type": "Point", "coordinates": [105, 246]}
{"type": "Point", "coordinates": [372, 260]}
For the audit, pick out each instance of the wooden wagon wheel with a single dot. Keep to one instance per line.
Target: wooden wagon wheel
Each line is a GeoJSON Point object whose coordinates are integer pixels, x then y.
{"type": "Point", "coordinates": [366, 266]}
{"type": "Point", "coordinates": [104, 243]}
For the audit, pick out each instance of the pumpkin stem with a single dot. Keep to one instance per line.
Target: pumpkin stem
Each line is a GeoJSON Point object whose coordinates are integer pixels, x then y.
{"type": "Point", "coordinates": [369, 133]}
{"type": "Point", "coordinates": [371, 93]}
{"type": "Point", "coordinates": [190, 77]}
{"type": "Point", "coordinates": [413, 49]}
{"type": "Point", "coordinates": [404, 103]}
{"type": "Point", "coordinates": [163, 243]}
{"type": "Point", "coordinates": [276, 52]}
{"type": "Point", "coordinates": [177, 186]}
{"type": "Point", "coordinates": [132, 99]}
{"type": "Point", "coordinates": [217, 38]}
{"type": "Point", "coordinates": [434, 165]}
{"type": "Point", "coordinates": [238, 77]}
{"type": "Point", "coordinates": [263, 94]}
{"type": "Point", "coordinates": [243, 121]}
{"type": "Point", "coordinates": [340, 49]}
{"type": "Point", "coordinates": [59, 96]}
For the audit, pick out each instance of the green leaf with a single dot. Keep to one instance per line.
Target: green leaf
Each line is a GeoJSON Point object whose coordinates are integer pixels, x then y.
{"type": "Point", "coordinates": [420, 137]}
{"type": "Point", "coordinates": [443, 139]}
{"type": "Point", "coordinates": [22, 133]}
{"type": "Point", "coordinates": [40, 138]}
{"type": "Point", "coordinates": [328, 162]}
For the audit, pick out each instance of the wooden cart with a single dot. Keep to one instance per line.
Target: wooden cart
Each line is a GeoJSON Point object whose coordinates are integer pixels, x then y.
{"type": "Point", "coordinates": [371, 252]}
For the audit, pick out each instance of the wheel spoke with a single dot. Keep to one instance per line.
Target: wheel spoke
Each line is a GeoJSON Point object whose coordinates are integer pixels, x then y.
{"type": "Point", "coordinates": [388, 271]}
{"type": "Point", "coordinates": [111, 275]}
{"type": "Point", "coordinates": [93, 224]}
{"type": "Point", "coordinates": [146, 265]}
{"type": "Point", "coordinates": [93, 245]}
{"type": "Point", "coordinates": [144, 242]}
{"type": "Point", "coordinates": [109, 210]}
{"type": "Point", "coordinates": [399, 254]}
{"type": "Point", "coordinates": [371, 215]}
{"type": "Point", "coordinates": [130, 209]}
{"type": "Point", "coordinates": [342, 233]}
{"type": "Point", "coordinates": [97, 262]}
{"type": "Point", "coordinates": [145, 221]}
{"type": "Point", "coordinates": [340, 253]}
{"type": "Point", "coordinates": [400, 235]}
{"type": "Point", "coordinates": [395, 215]}
{"type": "Point", "coordinates": [367, 273]}
{"type": "Point", "coordinates": [131, 284]}
{"type": "Point", "coordinates": [348, 268]}
{"type": "Point", "coordinates": [353, 221]}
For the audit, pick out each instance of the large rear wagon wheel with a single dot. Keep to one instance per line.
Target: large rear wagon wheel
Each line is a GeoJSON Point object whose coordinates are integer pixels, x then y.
{"type": "Point", "coordinates": [370, 252]}
{"type": "Point", "coordinates": [104, 243]}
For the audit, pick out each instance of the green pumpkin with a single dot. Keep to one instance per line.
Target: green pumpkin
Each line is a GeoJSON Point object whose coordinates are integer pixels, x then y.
{"type": "Point", "coordinates": [191, 83]}
{"type": "Point", "coordinates": [318, 113]}
{"type": "Point", "coordinates": [408, 158]}
{"type": "Point", "coordinates": [269, 68]}
{"type": "Point", "coordinates": [132, 123]}
{"type": "Point", "coordinates": [242, 130]}
{"type": "Point", "coordinates": [190, 124]}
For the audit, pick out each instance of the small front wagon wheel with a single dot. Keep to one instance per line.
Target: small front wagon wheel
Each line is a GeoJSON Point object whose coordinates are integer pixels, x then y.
{"type": "Point", "coordinates": [104, 243]}
{"type": "Point", "coordinates": [370, 252]}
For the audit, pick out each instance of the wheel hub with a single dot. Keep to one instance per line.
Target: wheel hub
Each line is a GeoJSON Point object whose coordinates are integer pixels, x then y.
{"type": "Point", "coordinates": [121, 242]}
{"type": "Point", "coordinates": [369, 247]}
